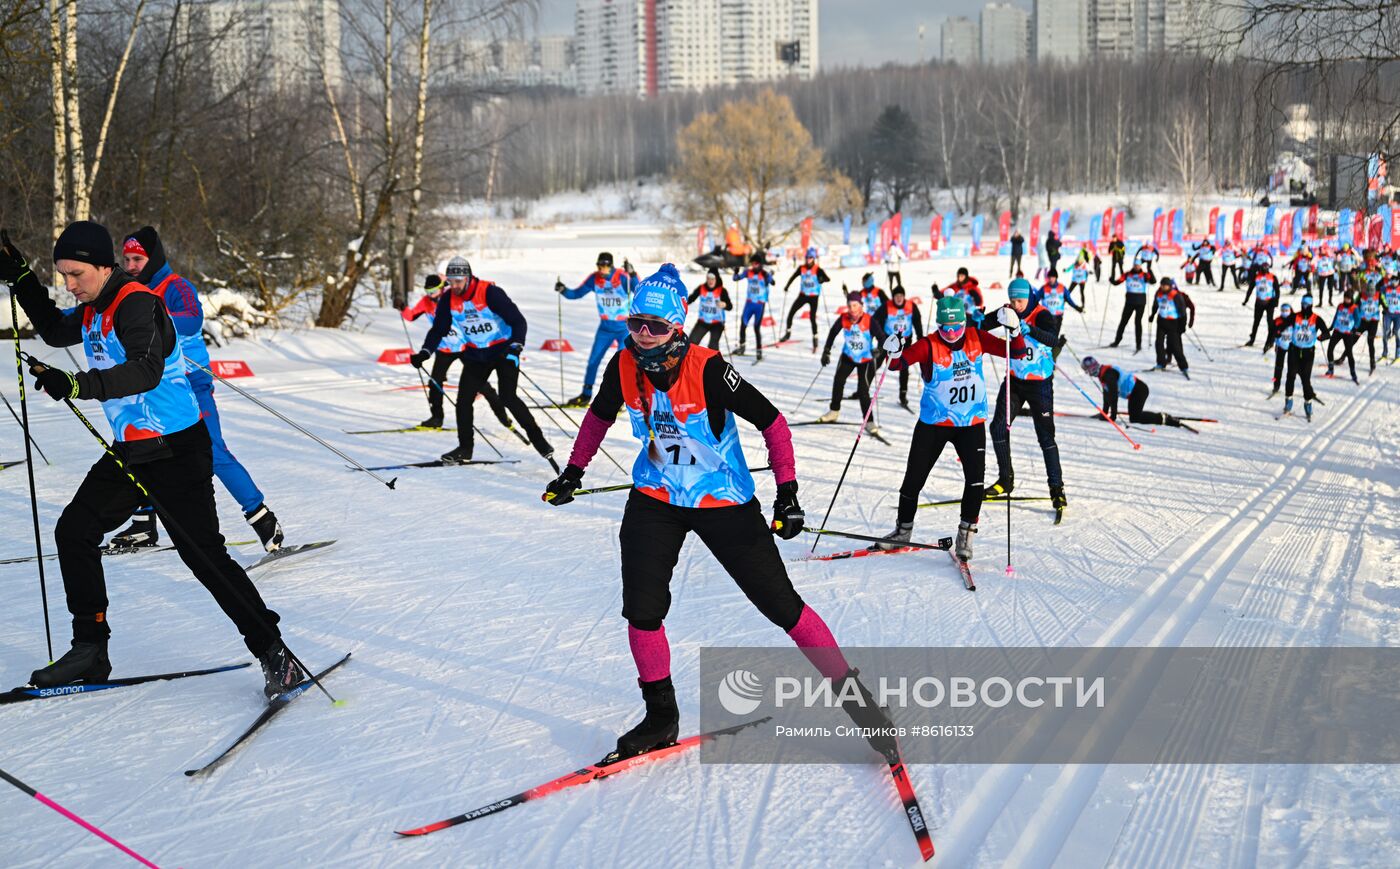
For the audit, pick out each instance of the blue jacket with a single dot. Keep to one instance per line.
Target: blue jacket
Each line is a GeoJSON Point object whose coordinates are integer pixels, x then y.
{"type": "Point", "coordinates": [182, 302]}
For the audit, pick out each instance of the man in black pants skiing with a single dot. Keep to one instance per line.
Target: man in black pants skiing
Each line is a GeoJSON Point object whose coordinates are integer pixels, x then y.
{"type": "Point", "coordinates": [1018, 249]}
{"type": "Point", "coordinates": [812, 276]}
{"type": "Point", "coordinates": [1119, 382]}
{"type": "Point", "coordinates": [1169, 306]}
{"type": "Point", "coordinates": [493, 330]}
{"type": "Point", "coordinates": [899, 316]}
{"type": "Point", "coordinates": [137, 370]}
{"type": "Point", "coordinates": [449, 351]}
{"type": "Point", "coordinates": [1308, 328]}
{"type": "Point", "coordinates": [1134, 282]}
{"type": "Point", "coordinates": [1032, 383]}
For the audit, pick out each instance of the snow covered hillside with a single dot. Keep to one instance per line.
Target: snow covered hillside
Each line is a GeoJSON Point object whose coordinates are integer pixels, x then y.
{"type": "Point", "coordinates": [490, 654]}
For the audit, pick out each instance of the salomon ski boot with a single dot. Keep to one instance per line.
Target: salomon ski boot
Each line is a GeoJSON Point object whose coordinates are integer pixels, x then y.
{"type": "Point", "coordinates": [142, 532]}
{"type": "Point", "coordinates": [84, 662]}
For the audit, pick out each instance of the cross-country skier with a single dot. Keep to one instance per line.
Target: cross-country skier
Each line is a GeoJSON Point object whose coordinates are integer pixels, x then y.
{"type": "Point", "coordinates": [1079, 277]}
{"type": "Point", "coordinates": [1302, 266]}
{"type": "Point", "coordinates": [870, 295]}
{"type": "Point", "coordinates": [810, 278]}
{"type": "Point", "coordinates": [691, 476]}
{"type": "Point", "coordinates": [1390, 302]}
{"type": "Point", "coordinates": [894, 256]}
{"type": "Point", "coordinates": [966, 288]}
{"type": "Point", "coordinates": [1205, 258]}
{"type": "Point", "coordinates": [1018, 249]}
{"type": "Point", "coordinates": [953, 410]}
{"type": "Point", "coordinates": [1308, 327]}
{"type": "Point", "coordinates": [857, 354]}
{"type": "Point", "coordinates": [143, 256]}
{"type": "Point", "coordinates": [1032, 385]}
{"type": "Point", "coordinates": [1368, 312]}
{"type": "Point", "coordinates": [612, 290]}
{"type": "Point", "coordinates": [709, 315]}
{"type": "Point", "coordinates": [1260, 260]}
{"type": "Point", "coordinates": [1118, 383]}
{"type": "Point", "coordinates": [1146, 257]}
{"type": "Point", "coordinates": [136, 369]}
{"type": "Point", "coordinates": [1229, 265]}
{"type": "Point", "coordinates": [1116, 253]}
{"type": "Point", "coordinates": [1134, 282]}
{"type": "Point", "coordinates": [494, 337]}
{"type": "Point", "coordinates": [1326, 268]}
{"type": "Point", "coordinates": [899, 316]}
{"type": "Point", "coordinates": [1280, 338]}
{"type": "Point", "coordinates": [1264, 288]}
{"type": "Point", "coordinates": [1347, 263]}
{"type": "Point", "coordinates": [757, 281]}
{"type": "Point", "coordinates": [1175, 314]}
{"type": "Point", "coordinates": [1345, 324]}
{"type": "Point", "coordinates": [447, 352]}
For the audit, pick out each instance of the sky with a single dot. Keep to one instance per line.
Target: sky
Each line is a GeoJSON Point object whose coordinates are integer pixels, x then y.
{"type": "Point", "coordinates": [852, 32]}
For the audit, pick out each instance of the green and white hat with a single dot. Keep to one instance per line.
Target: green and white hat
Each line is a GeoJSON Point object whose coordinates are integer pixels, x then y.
{"type": "Point", "coordinates": [951, 311]}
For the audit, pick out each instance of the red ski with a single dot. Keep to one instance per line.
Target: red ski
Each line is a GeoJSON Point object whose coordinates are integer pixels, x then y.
{"type": "Point", "coordinates": [602, 769]}
{"type": "Point", "coordinates": [911, 808]}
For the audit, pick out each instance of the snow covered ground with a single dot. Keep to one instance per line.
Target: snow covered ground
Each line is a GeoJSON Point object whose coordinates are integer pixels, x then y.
{"type": "Point", "coordinates": [489, 653]}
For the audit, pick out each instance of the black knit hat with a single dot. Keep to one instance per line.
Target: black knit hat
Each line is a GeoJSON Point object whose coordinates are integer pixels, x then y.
{"type": "Point", "coordinates": [86, 242]}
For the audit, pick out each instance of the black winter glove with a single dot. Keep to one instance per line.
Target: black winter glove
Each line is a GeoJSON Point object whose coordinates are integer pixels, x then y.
{"type": "Point", "coordinates": [13, 265]}
{"type": "Point", "coordinates": [513, 351]}
{"type": "Point", "coordinates": [826, 359]}
{"type": "Point", "coordinates": [788, 517]}
{"type": "Point", "coordinates": [559, 286]}
{"type": "Point", "coordinates": [417, 359]}
{"type": "Point", "coordinates": [59, 384]}
{"type": "Point", "coordinates": [560, 491]}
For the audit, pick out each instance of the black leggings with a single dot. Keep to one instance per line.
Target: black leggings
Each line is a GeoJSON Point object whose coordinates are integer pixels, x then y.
{"type": "Point", "coordinates": [713, 330]}
{"type": "Point", "coordinates": [1039, 395]}
{"type": "Point", "coordinates": [1300, 363]}
{"type": "Point", "coordinates": [1169, 343]}
{"type": "Point", "coordinates": [474, 376]}
{"type": "Point", "coordinates": [1348, 342]}
{"type": "Point", "coordinates": [441, 363]}
{"type": "Point", "coordinates": [1137, 415]}
{"type": "Point", "coordinates": [1280, 356]}
{"type": "Point", "coordinates": [864, 372]}
{"type": "Point", "coordinates": [652, 534]}
{"type": "Point", "coordinates": [1368, 328]}
{"type": "Point", "coordinates": [808, 302]}
{"type": "Point", "coordinates": [1328, 283]}
{"type": "Point", "coordinates": [183, 484]}
{"type": "Point", "coordinates": [970, 441]}
{"type": "Point", "coordinates": [1133, 306]}
{"type": "Point", "coordinates": [1263, 312]}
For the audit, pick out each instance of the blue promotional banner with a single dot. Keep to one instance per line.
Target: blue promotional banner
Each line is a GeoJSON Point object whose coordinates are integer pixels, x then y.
{"type": "Point", "coordinates": [1095, 224]}
{"type": "Point", "coordinates": [846, 230]}
{"type": "Point", "coordinates": [1066, 220]}
{"type": "Point", "coordinates": [1271, 220]}
{"type": "Point", "coordinates": [1156, 213]}
{"type": "Point", "coordinates": [1384, 214]}
{"type": "Point", "coordinates": [948, 218]}
{"type": "Point", "coordinates": [1300, 218]}
{"type": "Point", "coordinates": [1178, 225]}
{"type": "Point", "coordinates": [1220, 231]}
{"type": "Point", "coordinates": [1344, 225]}
{"type": "Point", "coordinates": [872, 238]}
{"type": "Point", "coordinates": [905, 230]}
{"type": "Point", "coordinates": [977, 231]}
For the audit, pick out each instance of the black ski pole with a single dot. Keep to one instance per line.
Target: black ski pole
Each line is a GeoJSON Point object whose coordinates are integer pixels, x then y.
{"type": "Point", "coordinates": [807, 390]}
{"type": "Point", "coordinates": [276, 413]}
{"type": "Point", "coordinates": [27, 435]}
{"type": "Point", "coordinates": [548, 402]}
{"type": "Point", "coordinates": [178, 532]}
{"type": "Point", "coordinates": [874, 398]}
{"type": "Point", "coordinates": [29, 466]}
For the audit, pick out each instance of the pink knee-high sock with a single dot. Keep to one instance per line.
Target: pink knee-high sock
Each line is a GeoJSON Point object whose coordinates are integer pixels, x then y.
{"type": "Point", "coordinates": [814, 638]}
{"type": "Point", "coordinates": [651, 651]}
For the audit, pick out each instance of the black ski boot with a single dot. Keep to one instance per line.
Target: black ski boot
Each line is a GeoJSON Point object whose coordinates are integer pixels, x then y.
{"type": "Point", "coordinates": [1001, 488]}
{"type": "Point", "coordinates": [874, 721]}
{"type": "Point", "coordinates": [659, 728]}
{"type": "Point", "coordinates": [434, 421]}
{"type": "Point", "coordinates": [279, 670]}
{"type": "Point", "coordinates": [1057, 498]}
{"type": "Point", "coordinates": [84, 662]}
{"type": "Point", "coordinates": [741, 351]}
{"type": "Point", "coordinates": [787, 334]}
{"type": "Point", "coordinates": [142, 532]}
{"type": "Point", "coordinates": [264, 521]}
{"type": "Point", "coordinates": [581, 400]}
{"type": "Point", "coordinates": [458, 456]}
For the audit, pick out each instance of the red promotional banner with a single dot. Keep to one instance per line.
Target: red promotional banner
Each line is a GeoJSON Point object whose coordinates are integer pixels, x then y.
{"type": "Point", "coordinates": [1120, 219]}
{"type": "Point", "coordinates": [1312, 220]}
{"type": "Point", "coordinates": [1157, 223]}
{"type": "Point", "coordinates": [699, 243]}
{"type": "Point", "coordinates": [1108, 223]}
{"type": "Point", "coordinates": [1237, 231]}
{"type": "Point", "coordinates": [935, 232]}
{"type": "Point", "coordinates": [1374, 240]}
{"type": "Point", "coordinates": [806, 234]}
{"type": "Point", "coordinates": [1035, 232]}
{"type": "Point", "coordinates": [1359, 231]}
{"type": "Point", "coordinates": [1055, 221]}
{"type": "Point", "coordinates": [1394, 224]}
{"type": "Point", "coordinates": [231, 368]}
{"type": "Point", "coordinates": [1285, 229]}
{"type": "Point", "coordinates": [1004, 227]}
{"type": "Point", "coordinates": [1169, 230]}
{"type": "Point", "coordinates": [1210, 222]}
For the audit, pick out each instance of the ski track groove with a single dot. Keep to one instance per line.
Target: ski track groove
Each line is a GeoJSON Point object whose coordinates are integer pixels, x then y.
{"type": "Point", "coordinates": [1044, 836]}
